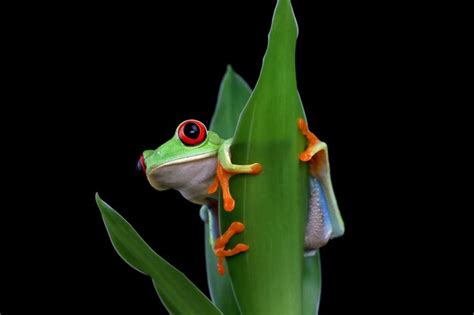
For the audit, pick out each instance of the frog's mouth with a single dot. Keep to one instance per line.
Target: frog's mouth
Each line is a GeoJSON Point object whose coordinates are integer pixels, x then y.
{"type": "Point", "coordinates": [183, 160]}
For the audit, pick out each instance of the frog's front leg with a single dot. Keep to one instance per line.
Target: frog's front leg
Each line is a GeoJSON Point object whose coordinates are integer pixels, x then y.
{"type": "Point", "coordinates": [225, 170]}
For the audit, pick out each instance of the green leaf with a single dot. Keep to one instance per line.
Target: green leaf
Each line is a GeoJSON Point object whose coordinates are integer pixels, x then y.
{"type": "Point", "coordinates": [178, 294]}
{"type": "Point", "coordinates": [311, 284]}
{"type": "Point", "coordinates": [273, 205]}
{"type": "Point", "coordinates": [220, 287]}
{"type": "Point", "coordinates": [234, 93]}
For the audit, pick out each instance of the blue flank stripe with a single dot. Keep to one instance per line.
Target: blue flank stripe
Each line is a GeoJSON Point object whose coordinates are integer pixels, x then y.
{"type": "Point", "coordinates": [316, 185]}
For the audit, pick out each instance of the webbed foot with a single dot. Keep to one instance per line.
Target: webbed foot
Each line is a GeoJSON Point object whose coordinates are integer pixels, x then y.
{"type": "Point", "coordinates": [221, 242]}
{"type": "Point", "coordinates": [222, 178]}
{"type": "Point", "coordinates": [314, 148]}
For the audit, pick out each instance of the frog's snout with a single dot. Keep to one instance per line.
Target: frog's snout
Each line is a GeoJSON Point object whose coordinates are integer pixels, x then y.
{"type": "Point", "coordinates": [141, 166]}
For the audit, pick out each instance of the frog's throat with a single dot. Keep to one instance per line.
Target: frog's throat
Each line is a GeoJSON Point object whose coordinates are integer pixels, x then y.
{"type": "Point", "coordinates": [190, 176]}
{"type": "Point", "coordinates": [185, 160]}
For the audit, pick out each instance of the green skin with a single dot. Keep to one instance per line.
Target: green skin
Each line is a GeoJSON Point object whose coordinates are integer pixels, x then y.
{"type": "Point", "coordinates": [192, 169]}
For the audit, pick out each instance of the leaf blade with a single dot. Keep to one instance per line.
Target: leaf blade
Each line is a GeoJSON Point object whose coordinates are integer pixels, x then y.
{"type": "Point", "coordinates": [220, 287]}
{"type": "Point", "coordinates": [273, 205]}
{"type": "Point", "coordinates": [234, 93]}
{"type": "Point", "coordinates": [311, 284]}
{"type": "Point", "coordinates": [178, 293]}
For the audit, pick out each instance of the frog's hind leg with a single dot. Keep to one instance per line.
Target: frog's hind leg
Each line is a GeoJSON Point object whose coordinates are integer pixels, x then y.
{"type": "Point", "coordinates": [209, 214]}
{"type": "Point", "coordinates": [319, 227]}
{"type": "Point", "coordinates": [324, 219]}
{"type": "Point", "coordinates": [225, 170]}
{"type": "Point", "coordinates": [221, 242]}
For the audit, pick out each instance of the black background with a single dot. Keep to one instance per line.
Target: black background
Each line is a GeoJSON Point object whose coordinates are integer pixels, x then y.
{"type": "Point", "coordinates": [92, 86]}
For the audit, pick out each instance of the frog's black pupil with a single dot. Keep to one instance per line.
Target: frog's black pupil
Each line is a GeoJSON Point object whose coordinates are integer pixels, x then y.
{"type": "Point", "coordinates": [191, 130]}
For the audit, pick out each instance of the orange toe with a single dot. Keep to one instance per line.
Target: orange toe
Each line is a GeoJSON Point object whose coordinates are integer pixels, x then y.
{"type": "Point", "coordinates": [213, 188]}
{"type": "Point", "coordinates": [229, 204]}
{"type": "Point", "coordinates": [305, 156]}
{"type": "Point", "coordinates": [237, 227]}
{"type": "Point", "coordinates": [302, 125]}
{"type": "Point", "coordinates": [257, 168]}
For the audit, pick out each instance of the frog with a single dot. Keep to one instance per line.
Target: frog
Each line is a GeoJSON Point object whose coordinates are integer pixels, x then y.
{"type": "Point", "coordinates": [197, 162]}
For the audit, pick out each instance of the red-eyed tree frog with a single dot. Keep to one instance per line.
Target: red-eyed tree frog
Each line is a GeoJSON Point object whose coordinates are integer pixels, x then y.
{"type": "Point", "coordinates": [196, 162]}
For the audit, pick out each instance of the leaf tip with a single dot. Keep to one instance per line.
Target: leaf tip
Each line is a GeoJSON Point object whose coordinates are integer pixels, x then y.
{"type": "Point", "coordinates": [102, 205]}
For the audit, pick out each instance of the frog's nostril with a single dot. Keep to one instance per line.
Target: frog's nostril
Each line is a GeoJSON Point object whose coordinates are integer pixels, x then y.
{"type": "Point", "coordinates": [141, 167]}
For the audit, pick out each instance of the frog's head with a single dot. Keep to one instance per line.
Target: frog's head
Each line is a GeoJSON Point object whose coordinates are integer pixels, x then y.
{"type": "Point", "coordinates": [190, 143]}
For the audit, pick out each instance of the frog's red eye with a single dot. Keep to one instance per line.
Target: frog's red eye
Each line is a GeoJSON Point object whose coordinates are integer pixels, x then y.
{"type": "Point", "coordinates": [192, 132]}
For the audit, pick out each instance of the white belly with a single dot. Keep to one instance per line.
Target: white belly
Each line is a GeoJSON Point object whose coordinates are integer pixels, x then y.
{"type": "Point", "coordinates": [191, 179]}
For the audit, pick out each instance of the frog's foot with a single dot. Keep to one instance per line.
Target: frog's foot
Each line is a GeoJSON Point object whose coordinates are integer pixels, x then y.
{"type": "Point", "coordinates": [314, 149]}
{"type": "Point", "coordinates": [313, 141]}
{"type": "Point", "coordinates": [224, 173]}
{"type": "Point", "coordinates": [221, 242]}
